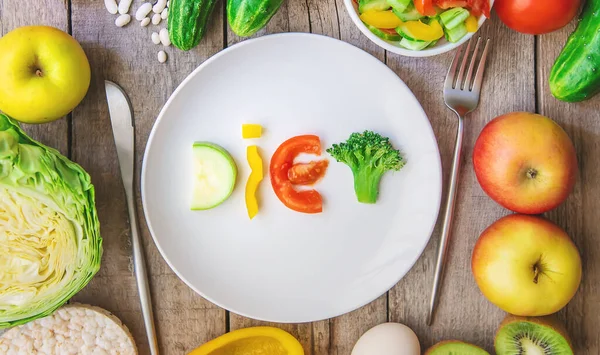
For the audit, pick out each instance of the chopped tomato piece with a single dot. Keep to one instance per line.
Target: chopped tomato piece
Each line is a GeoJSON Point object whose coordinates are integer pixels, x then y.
{"type": "Point", "coordinates": [307, 173]}
{"type": "Point", "coordinates": [446, 4]}
{"type": "Point", "coordinates": [307, 201]}
{"type": "Point", "coordinates": [425, 7]}
{"type": "Point", "coordinates": [390, 31]}
{"type": "Point", "coordinates": [479, 7]}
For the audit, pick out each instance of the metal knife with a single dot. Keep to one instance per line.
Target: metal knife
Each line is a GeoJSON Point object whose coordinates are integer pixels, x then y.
{"type": "Point", "coordinates": [121, 117]}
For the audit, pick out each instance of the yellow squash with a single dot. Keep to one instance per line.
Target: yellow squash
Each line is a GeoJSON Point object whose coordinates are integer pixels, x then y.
{"type": "Point", "coordinates": [253, 340]}
{"type": "Point", "coordinates": [381, 19]}
{"type": "Point", "coordinates": [256, 176]}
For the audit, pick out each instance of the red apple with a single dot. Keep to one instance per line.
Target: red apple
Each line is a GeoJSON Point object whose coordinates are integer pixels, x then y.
{"type": "Point", "coordinates": [526, 265]}
{"type": "Point", "coordinates": [525, 162]}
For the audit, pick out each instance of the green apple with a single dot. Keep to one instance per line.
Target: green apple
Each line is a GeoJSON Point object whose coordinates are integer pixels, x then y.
{"type": "Point", "coordinates": [44, 74]}
{"type": "Point", "coordinates": [526, 265]}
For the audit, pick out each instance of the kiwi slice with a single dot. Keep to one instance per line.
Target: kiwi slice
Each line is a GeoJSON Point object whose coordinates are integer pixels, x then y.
{"type": "Point", "coordinates": [455, 347]}
{"type": "Point", "coordinates": [532, 336]}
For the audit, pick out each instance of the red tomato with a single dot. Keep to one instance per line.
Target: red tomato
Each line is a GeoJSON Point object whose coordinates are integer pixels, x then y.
{"type": "Point", "coordinates": [536, 17]}
{"type": "Point", "coordinates": [446, 4]}
{"type": "Point", "coordinates": [307, 201]}
{"type": "Point", "coordinates": [389, 31]}
{"type": "Point", "coordinates": [479, 7]}
{"type": "Point", "coordinates": [425, 7]}
{"type": "Point", "coordinates": [307, 173]}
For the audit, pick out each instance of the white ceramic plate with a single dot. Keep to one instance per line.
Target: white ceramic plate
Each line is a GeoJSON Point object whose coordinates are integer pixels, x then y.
{"type": "Point", "coordinates": [286, 266]}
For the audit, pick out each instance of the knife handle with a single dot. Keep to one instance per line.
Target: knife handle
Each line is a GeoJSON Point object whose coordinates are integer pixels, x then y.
{"type": "Point", "coordinates": [141, 275]}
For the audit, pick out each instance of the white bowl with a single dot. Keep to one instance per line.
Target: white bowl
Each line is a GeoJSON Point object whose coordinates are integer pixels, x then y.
{"type": "Point", "coordinates": [442, 46]}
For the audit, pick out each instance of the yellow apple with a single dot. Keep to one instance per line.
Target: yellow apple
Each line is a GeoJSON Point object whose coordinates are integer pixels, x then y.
{"type": "Point", "coordinates": [44, 74]}
{"type": "Point", "coordinates": [526, 265]}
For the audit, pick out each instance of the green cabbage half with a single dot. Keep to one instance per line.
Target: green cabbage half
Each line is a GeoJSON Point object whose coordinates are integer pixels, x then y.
{"type": "Point", "coordinates": [50, 245]}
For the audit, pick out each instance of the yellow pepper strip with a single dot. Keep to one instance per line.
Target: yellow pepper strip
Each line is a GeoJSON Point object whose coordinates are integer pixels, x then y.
{"type": "Point", "coordinates": [424, 32]}
{"type": "Point", "coordinates": [252, 340]}
{"type": "Point", "coordinates": [381, 19]}
{"type": "Point", "coordinates": [256, 164]}
{"type": "Point", "coordinates": [251, 130]}
{"type": "Point", "coordinates": [472, 23]}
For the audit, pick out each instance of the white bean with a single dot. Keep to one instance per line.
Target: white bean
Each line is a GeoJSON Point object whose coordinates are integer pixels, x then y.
{"type": "Point", "coordinates": [156, 19]}
{"type": "Point", "coordinates": [145, 22]}
{"type": "Point", "coordinates": [155, 38]}
{"type": "Point", "coordinates": [124, 6]}
{"type": "Point", "coordinates": [159, 6]}
{"type": "Point", "coordinates": [122, 20]}
{"type": "Point", "coordinates": [143, 11]}
{"type": "Point", "coordinates": [164, 37]}
{"type": "Point", "coordinates": [111, 6]}
{"type": "Point", "coordinates": [162, 56]}
{"type": "Point", "coordinates": [164, 14]}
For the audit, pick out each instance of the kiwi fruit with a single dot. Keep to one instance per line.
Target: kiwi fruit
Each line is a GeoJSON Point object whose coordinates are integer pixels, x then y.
{"type": "Point", "coordinates": [532, 335]}
{"type": "Point", "coordinates": [455, 347]}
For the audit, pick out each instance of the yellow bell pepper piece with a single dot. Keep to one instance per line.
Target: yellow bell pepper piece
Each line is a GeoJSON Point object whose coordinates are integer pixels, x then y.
{"type": "Point", "coordinates": [424, 32]}
{"type": "Point", "coordinates": [256, 176]}
{"type": "Point", "coordinates": [251, 130]}
{"type": "Point", "coordinates": [252, 340]}
{"type": "Point", "coordinates": [472, 23]}
{"type": "Point", "coordinates": [381, 19]}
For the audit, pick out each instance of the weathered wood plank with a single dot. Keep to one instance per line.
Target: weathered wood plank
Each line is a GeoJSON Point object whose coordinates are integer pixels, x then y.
{"type": "Point", "coordinates": [128, 57]}
{"type": "Point", "coordinates": [53, 13]}
{"type": "Point", "coordinates": [578, 215]}
{"type": "Point", "coordinates": [462, 313]}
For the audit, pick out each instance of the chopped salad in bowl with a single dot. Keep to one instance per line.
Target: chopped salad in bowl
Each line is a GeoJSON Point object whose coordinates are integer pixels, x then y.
{"type": "Point", "coordinates": [419, 27]}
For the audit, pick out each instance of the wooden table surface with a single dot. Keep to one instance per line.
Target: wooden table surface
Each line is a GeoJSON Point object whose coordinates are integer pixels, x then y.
{"type": "Point", "coordinates": [516, 80]}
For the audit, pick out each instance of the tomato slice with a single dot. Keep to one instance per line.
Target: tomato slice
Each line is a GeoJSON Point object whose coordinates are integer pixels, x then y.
{"type": "Point", "coordinates": [307, 201]}
{"type": "Point", "coordinates": [425, 7]}
{"type": "Point", "coordinates": [447, 4]}
{"type": "Point", "coordinates": [307, 173]}
{"type": "Point", "coordinates": [479, 7]}
{"type": "Point", "coordinates": [390, 31]}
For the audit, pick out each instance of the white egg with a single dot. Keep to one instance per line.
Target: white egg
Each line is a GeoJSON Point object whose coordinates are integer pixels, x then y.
{"type": "Point", "coordinates": [388, 339]}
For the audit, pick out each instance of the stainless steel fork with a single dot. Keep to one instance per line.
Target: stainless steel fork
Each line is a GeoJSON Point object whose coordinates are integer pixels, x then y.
{"type": "Point", "coordinates": [461, 94]}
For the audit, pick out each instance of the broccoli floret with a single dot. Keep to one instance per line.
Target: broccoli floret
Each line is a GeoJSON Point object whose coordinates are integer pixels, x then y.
{"type": "Point", "coordinates": [369, 155]}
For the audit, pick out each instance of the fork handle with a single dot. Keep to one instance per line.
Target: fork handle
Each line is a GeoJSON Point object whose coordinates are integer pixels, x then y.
{"type": "Point", "coordinates": [447, 224]}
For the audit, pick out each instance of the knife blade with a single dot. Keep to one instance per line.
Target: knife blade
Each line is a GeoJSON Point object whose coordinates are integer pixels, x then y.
{"type": "Point", "coordinates": [121, 118]}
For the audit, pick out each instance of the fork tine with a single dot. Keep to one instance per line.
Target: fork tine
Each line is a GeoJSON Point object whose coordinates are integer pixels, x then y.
{"type": "Point", "coordinates": [449, 84]}
{"type": "Point", "coordinates": [480, 69]}
{"type": "Point", "coordinates": [471, 66]}
{"type": "Point", "coordinates": [461, 72]}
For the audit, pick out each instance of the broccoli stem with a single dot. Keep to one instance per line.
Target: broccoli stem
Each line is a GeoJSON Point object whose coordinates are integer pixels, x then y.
{"type": "Point", "coordinates": [366, 184]}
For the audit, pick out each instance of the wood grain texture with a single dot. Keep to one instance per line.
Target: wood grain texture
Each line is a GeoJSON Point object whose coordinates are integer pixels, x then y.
{"type": "Point", "coordinates": [128, 57]}
{"type": "Point", "coordinates": [14, 14]}
{"type": "Point", "coordinates": [578, 215]}
{"type": "Point", "coordinates": [462, 312]}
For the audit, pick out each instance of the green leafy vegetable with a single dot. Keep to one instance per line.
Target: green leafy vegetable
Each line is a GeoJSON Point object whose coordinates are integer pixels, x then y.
{"type": "Point", "coordinates": [50, 244]}
{"type": "Point", "coordinates": [369, 155]}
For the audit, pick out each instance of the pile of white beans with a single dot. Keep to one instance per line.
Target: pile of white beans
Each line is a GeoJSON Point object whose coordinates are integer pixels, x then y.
{"type": "Point", "coordinates": [147, 13]}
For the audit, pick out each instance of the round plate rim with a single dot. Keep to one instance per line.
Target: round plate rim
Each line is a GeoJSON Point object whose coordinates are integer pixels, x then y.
{"type": "Point", "coordinates": [189, 78]}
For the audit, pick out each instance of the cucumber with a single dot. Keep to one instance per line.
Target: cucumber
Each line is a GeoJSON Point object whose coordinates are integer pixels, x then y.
{"type": "Point", "coordinates": [407, 34]}
{"type": "Point", "coordinates": [187, 22]}
{"type": "Point", "coordinates": [383, 35]}
{"type": "Point", "coordinates": [214, 175]}
{"type": "Point", "coordinates": [414, 45]}
{"type": "Point", "coordinates": [410, 14]}
{"type": "Point", "coordinates": [372, 5]}
{"type": "Point", "coordinates": [457, 33]}
{"type": "Point", "coordinates": [575, 76]}
{"type": "Point", "coordinates": [246, 17]}
{"type": "Point", "coordinates": [399, 5]}
{"type": "Point", "coordinates": [454, 17]}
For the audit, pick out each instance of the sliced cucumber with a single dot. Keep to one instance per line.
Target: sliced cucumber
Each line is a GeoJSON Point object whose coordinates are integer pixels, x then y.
{"type": "Point", "coordinates": [399, 5]}
{"type": "Point", "coordinates": [454, 35]}
{"type": "Point", "coordinates": [383, 35]}
{"type": "Point", "coordinates": [410, 14]}
{"type": "Point", "coordinates": [214, 175]}
{"type": "Point", "coordinates": [414, 45]}
{"type": "Point", "coordinates": [454, 17]}
{"type": "Point", "coordinates": [407, 34]}
{"type": "Point", "coordinates": [372, 5]}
